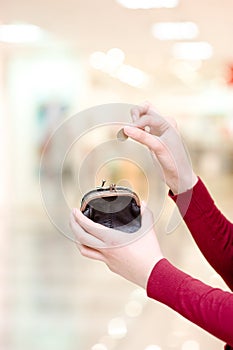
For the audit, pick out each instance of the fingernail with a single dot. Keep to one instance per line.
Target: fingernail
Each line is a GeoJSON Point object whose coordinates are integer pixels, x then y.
{"type": "Point", "coordinates": [121, 136]}
{"type": "Point", "coordinates": [134, 117]}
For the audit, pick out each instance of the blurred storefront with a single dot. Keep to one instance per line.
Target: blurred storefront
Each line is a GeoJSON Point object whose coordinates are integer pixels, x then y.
{"type": "Point", "coordinates": [50, 297]}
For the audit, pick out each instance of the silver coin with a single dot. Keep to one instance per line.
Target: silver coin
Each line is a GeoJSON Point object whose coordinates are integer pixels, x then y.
{"type": "Point", "coordinates": [121, 136]}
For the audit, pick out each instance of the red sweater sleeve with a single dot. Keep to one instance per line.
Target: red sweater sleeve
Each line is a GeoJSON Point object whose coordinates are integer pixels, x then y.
{"type": "Point", "coordinates": [212, 232]}
{"type": "Point", "coordinates": [210, 308]}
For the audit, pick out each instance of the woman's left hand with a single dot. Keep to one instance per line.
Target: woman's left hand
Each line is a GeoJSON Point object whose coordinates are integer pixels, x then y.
{"type": "Point", "coordinates": [131, 256]}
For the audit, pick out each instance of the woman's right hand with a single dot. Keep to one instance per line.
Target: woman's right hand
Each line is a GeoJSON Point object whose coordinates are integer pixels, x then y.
{"type": "Point", "coordinates": [165, 143]}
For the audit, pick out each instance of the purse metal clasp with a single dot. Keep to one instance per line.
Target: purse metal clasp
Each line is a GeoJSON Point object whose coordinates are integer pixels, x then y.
{"type": "Point", "coordinates": [103, 182]}
{"type": "Point", "coordinates": [112, 187]}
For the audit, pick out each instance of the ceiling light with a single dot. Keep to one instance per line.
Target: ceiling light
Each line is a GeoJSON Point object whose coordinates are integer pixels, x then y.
{"type": "Point", "coordinates": [187, 71]}
{"type": "Point", "coordinates": [153, 347]}
{"type": "Point", "coordinates": [112, 64]}
{"type": "Point", "coordinates": [19, 33]}
{"type": "Point", "coordinates": [115, 58]}
{"type": "Point", "coordinates": [175, 30]}
{"type": "Point", "coordinates": [148, 4]}
{"type": "Point", "coordinates": [98, 60]}
{"type": "Point", "coordinates": [116, 55]}
{"type": "Point", "coordinates": [107, 62]}
{"type": "Point", "coordinates": [131, 76]}
{"type": "Point", "coordinates": [192, 50]}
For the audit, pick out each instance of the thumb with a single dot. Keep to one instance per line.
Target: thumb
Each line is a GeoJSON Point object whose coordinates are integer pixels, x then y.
{"type": "Point", "coordinates": [143, 137]}
{"type": "Point", "coordinates": [147, 220]}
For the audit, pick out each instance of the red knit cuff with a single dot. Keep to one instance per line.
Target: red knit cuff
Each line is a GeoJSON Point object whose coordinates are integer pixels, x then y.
{"type": "Point", "coordinates": [193, 201]}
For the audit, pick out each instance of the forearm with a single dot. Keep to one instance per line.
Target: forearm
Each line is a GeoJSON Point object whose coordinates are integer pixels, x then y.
{"type": "Point", "coordinates": [207, 307]}
{"type": "Point", "coordinates": [212, 232]}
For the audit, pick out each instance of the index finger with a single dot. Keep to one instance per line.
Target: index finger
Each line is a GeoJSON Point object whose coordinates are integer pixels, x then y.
{"type": "Point", "coordinates": [138, 111]}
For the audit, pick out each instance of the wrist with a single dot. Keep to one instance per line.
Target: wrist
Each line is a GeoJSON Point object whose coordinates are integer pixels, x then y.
{"type": "Point", "coordinates": [183, 184]}
{"type": "Point", "coordinates": [149, 270]}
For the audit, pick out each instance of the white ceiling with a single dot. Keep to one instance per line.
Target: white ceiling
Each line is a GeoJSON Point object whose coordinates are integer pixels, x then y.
{"type": "Point", "coordinates": [91, 25]}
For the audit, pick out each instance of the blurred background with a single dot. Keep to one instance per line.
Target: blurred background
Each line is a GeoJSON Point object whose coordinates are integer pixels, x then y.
{"type": "Point", "coordinates": [58, 59]}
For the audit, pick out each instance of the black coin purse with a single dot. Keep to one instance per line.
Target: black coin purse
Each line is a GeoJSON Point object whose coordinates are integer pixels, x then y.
{"type": "Point", "coordinates": [114, 207]}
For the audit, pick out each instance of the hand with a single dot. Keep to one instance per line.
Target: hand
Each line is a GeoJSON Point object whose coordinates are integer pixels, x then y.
{"type": "Point", "coordinates": [131, 258]}
{"type": "Point", "coordinates": [165, 144]}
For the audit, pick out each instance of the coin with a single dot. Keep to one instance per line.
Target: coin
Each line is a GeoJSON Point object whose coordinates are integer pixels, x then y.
{"type": "Point", "coordinates": [121, 136]}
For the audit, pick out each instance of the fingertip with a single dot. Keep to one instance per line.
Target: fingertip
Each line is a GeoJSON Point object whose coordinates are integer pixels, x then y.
{"type": "Point", "coordinates": [143, 207]}
{"type": "Point", "coordinates": [134, 114]}
{"type": "Point", "coordinates": [146, 104]}
{"type": "Point", "coordinates": [78, 212]}
{"type": "Point", "coordinates": [78, 216]}
{"type": "Point", "coordinates": [134, 117]}
{"type": "Point", "coordinates": [144, 203]}
{"type": "Point", "coordinates": [129, 130]}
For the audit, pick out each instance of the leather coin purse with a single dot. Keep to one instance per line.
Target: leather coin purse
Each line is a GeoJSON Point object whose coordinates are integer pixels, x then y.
{"type": "Point", "coordinates": [114, 207]}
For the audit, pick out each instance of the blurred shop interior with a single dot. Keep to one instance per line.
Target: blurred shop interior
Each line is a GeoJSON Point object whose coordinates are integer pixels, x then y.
{"type": "Point", "coordinates": [59, 60]}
